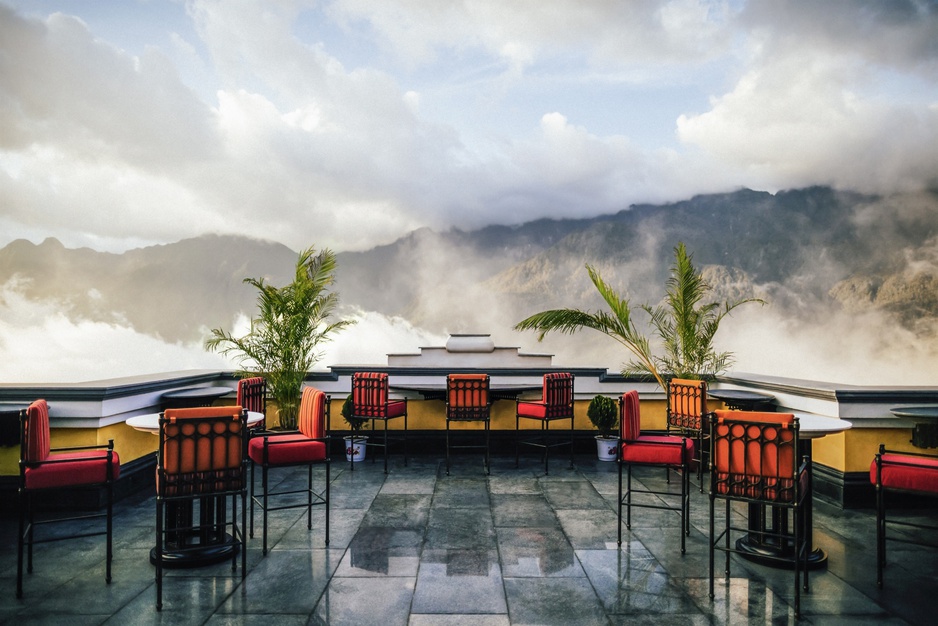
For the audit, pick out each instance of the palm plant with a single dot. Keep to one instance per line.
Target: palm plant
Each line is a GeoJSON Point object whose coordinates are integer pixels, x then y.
{"type": "Point", "coordinates": [284, 339]}
{"type": "Point", "coordinates": [685, 326]}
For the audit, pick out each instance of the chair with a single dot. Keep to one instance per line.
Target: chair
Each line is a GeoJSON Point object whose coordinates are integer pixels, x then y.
{"type": "Point", "coordinates": [901, 472]}
{"type": "Point", "coordinates": [252, 396]}
{"type": "Point", "coordinates": [687, 414]}
{"type": "Point", "coordinates": [55, 471]}
{"type": "Point", "coordinates": [651, 451]}
{"type": "Point", "coordinates": [556, 403]}
{"type": "Point", "coordinates": [468, 400]}
{"type": "Point", "coordinates": [370, 402]}
{"type": "Point", "coordinates": [202, 458]}
{"type": "Point", "coordinates": [309, 446]}
{"type": "Point", "coordinates": [755, 459]}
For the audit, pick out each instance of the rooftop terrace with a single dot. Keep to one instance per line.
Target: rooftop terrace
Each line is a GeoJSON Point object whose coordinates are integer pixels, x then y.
{"type": "Point", "coordinates": [518, 547]}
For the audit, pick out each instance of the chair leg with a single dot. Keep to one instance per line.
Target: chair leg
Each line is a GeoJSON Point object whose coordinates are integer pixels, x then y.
{"type": "Point", "coordinates": [159, 555]}
{"type": "Point", "coordinates": [710, 542]}
{"type": "Point", "coordinates": [619, 501]}
{"type": "Point", "coordinates": [328, 501]}
{"type": "Point", "coordinates": [20, 538]}
{"type": "Point", "coordinates": [447, 447]}
{"type": "Point", "coordinates": [517, 441]}
{"type": "Point", "coordinates": [264, 507]}
{"type": "Point", "coordinates": [404, 440]}
{"type": "Point", "coordinates": [309, 498]}
{"type": "Point", "coordinates": [880, 535]}
{"type": "Point", "coordinates": [234, 530]}
{"type": "Point", "coordinates": [251, 529]}
{"type": "Point", "coordinates": [545, 432]}
{"type": "Point", "coordinates": [244, 545]}
{"type": "Point", "coordinates": [571, 442]}
{"type": "Point", "coordinates": [684, 521]}
{"type": "Point", "coordinates": [628, 498]}
{"type": "Point", "coordinates": [110, 530]}
{"type": "Point", "coordinates": [488, 460]}
{"type": "Point", "coordinates": [385, 446]}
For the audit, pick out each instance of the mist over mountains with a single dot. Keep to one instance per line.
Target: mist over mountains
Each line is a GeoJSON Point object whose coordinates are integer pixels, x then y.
{"type": "Point", "coordinates": [852, 276]}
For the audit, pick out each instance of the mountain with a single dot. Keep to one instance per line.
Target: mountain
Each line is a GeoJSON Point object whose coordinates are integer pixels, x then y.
{"type": "Point", "coordinates": [807, 251]}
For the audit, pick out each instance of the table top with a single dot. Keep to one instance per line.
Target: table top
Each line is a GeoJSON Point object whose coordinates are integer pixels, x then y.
{"type": "Point", "coordinates": [740, 395]}
{"type": "Point", "coordinates": [196, 393]}
{"type": "Point", "coordinates": [150, 422]}
{"type": "Point", "coordinates": [13, 407]}
{"type": "Point", "coordinates": [498, 390]}
{"type": "Point", "coordinates": [929, 411]}
{"type": "Point", "coordinates": [816, 426]}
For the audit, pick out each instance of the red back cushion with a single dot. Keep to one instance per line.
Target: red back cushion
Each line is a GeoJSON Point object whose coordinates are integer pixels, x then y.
{"type": "Point", "coordinates": [557, 388]}
{"type": "Point", "coordinates": [37, 432]}
{"type": "Point", "coordinates": [251, 394]}
{"type": "Point", "coordinates": [312, 420]}
{"type": "Point", "coordinates": [630, 416]}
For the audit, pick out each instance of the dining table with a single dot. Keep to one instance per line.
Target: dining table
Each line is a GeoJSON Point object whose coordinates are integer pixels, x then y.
{"type": "Point", "coordinates": [743, 399]}
{"type": "Point", "coordinates": [498, 391]}
{"type": "Point", "coordinates": [10, 422]}
{"type": "Point", "coordinates": [192, 549]}
{"type": "Point", "coordinates": [774, 551]}
{"type": "Point", "coordinates": [925, 428]}
{"type": "Point", "coordinates": [193, 397]}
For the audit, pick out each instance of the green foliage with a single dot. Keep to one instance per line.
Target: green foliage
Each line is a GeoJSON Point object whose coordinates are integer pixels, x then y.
{"type": "Point", "coordinates": [283, 342]}
{"type": "Point", "coordinates": [685, 327]}
{"type": "Point", "coordinates": [603, 412]}
{"type": "Point", "coordinates": [355, 423]}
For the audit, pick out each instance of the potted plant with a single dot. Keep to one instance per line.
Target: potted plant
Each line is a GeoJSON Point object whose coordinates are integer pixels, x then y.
{"type": "Point", "coordinates": [355, 444]}
{"type": "Point", "coordinates": [685, 325]}
{"type": "Point", "coordinates": [282, 343]}
{"type": "Point", "coordinates": [603, 412]}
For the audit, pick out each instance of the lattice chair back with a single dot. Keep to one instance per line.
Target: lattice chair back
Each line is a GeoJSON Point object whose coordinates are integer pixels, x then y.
{"type": "Point", "coordinates": [370, 394]}
{"type": "Point", "coordinates": [687, 404]}
{"type": "Point", "coordinates": [755, 456]}
{"type": "Point", "coordinates": [467, 397]}
{"type": "Point", "coordinates": [558, 395]}
{"type": "Point", "coordinates": [202, 451]}
{"type": "Point", "coordinates": [252, 396]}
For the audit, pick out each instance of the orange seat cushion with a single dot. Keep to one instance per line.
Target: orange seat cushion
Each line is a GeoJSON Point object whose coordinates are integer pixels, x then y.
{"type": "Point", "coordinates": [71, 469]}
{"type": "Point", "coordinates": [286, 450]}
{"type": "Point", "coordinates": [907, 472]}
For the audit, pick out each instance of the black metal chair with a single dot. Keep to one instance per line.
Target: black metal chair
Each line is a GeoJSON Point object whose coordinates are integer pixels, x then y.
{"type": "Point", "coordinates": [556, 403]}
{"type": "Point", "coordinates": [687, 415]}
{"type": "Point", "coordinates": [755, 459]}
{"type": "Point", "coordinates": [468, 400]}
{"type": "Point", "coordinates": [370, 401]}
{"type": "Point", "coordinates": [902, 472]}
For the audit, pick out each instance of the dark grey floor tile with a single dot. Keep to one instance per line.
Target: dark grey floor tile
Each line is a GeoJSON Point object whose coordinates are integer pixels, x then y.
{"type": "Point", "coordinates": [547, 601]}
{"type": "Point", "coordinates": [523, 510]}
{"type": "Point", "coordinates": [459, 581]}
{"type": "Point", "coordinates": [454, 528]}
{"type": "Point", "coordinates": [365, 602]}
{"type": "Point", "coordinates": [383, 551]}
{"type": "Point", "coordinates": [536, 552]}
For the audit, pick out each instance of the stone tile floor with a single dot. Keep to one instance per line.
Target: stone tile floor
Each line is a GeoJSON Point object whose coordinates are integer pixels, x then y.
{"type": "Point", "coordinates": [418, 547]}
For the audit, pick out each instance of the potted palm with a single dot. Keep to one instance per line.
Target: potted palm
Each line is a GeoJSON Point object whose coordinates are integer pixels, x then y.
{"type": "Point", "coordinates": [284, 339]}
{"type": "Point", "coordinates": [603, 413]}
{"type": "Point", "coordinates": [685, 325]}
{"type": "Point", "coordinates": [355, 444]}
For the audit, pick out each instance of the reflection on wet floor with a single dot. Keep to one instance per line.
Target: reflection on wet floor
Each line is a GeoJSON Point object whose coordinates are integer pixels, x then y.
{"type": "Point", "coordinates": [517, 547]}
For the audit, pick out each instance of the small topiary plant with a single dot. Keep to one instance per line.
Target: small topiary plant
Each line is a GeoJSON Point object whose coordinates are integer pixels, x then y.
{"type": "Point", "coordinates": [603, 413]}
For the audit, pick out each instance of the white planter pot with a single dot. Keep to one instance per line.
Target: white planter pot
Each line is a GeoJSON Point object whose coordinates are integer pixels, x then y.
{"type": "Point", "coordinates": [355, 448]}
{"type": "Point", "coordinates": [606, 448]}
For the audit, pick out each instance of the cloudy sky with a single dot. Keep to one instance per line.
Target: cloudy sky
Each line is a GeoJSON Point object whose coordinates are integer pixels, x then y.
{"type": "Point", "coordinates": [347, 123]}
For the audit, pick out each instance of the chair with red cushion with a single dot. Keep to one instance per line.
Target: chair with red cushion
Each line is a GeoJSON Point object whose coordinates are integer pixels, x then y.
{"type": "Point", "coordinates": [252, 396]}
{"type": "Point", "coordinates": [902, 472]}
{"type": "Point", "coordinates": [636, 449]}
{"type": "Point", "coordinates": [687, 415]}
{"type": "Point", "coordinates": [468, 400]}
{"type": "Point", "coordinates": [370, 401]}
{"type": "Point", "coordinates": [556, 403]}
{"type": "Point", "coordinates": [47, 470]}
{"type": "Point", "coordinates": [202, 460]}
{"type": "Point", "coordinates": [755, 459]}
{"type": "Point", "coordinates": [308, 446]}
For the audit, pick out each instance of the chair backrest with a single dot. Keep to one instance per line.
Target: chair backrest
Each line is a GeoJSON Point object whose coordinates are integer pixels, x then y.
{"type": "Point", "coordinates": [687, 403]}
{"type": "Point", "coordinates": [629, 416]}
{"type": "Point", "coordinates": [252, 394]}
{"type": "Point", "coordinates": [313, 413]}
{"type": "Point", "coordinates": [202, 451]}
{"type": "Point", "coordinates": [369, 394]}
{"type": "Point", "coordinates": [558, 394]}
{"type": "Point", "coordinates": [467, 397]}
{"type": "Point", "coordinates": [755, 455]}
{"type": "Point", "coordinates": [35, 437]}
